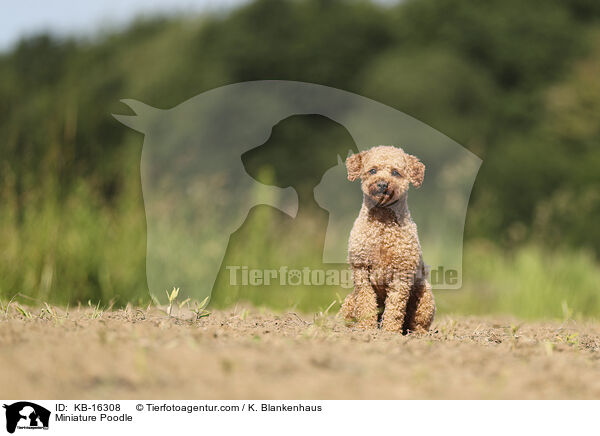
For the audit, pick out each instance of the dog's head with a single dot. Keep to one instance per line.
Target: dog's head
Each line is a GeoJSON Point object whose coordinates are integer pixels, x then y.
{"type": "Point", "coordinates": [386, 173]}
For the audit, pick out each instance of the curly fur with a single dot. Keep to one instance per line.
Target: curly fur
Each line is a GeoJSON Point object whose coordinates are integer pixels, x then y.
{"type": "Point", "coordinates": [390, 285]}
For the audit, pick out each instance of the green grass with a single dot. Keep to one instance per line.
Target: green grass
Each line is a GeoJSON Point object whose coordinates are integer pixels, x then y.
{"type": "Point", "coordinates": [66, 247]}
{"type": "Point", "coordinates": [74, 249]}
{"type": "Point", "coordinates": [528, 282]}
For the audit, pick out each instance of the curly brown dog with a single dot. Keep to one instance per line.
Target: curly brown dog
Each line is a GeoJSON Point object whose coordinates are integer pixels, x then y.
{"type": "Point", "coordinates": [390, 286]}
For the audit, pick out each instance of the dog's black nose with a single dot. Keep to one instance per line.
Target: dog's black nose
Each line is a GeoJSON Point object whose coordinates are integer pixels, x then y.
{"type": "Point", "coordinates": [382, 186]}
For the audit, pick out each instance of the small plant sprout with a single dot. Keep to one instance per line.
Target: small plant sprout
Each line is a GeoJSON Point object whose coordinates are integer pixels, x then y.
{"type": "Point", "coordinates": [200, 309]}
{"type": "Point", "coordinates": [320, 317]}
{"type": "Point", "coordinates": [569, 338]}
{"type": "Point", "coordinates": [329, 307]}
{"type": "Point", "coordinates": [184, 302]}
{"type": "Point", "coordinates": [7, 306]}
{"type": "Point", "coordinates": [171, 297]}
{"type": "Point", "coordinates": [514, 330]}
{"type": "Point", "coordinates": [22, 311]}
{"type": "Point", "coordinates": [52, 313]}
{"type": "Point", "coordinates": [49, 310]}
{"type": "Point", "coordinates": [514, 336]}
{"type": "Point", "coordinates": [448, 328]}
{"type": "Point", "coordinates": [96, 312]}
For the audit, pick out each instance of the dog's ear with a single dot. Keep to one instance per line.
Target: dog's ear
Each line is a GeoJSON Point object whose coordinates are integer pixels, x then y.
{"type": "Point", "coordinates": [354, 165]}
{"type": "Point", "coordinates": [416, 170]}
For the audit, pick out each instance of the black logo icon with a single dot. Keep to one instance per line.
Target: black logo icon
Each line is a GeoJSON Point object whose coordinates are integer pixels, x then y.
{"type": "Point", "coordinates": [26, 415]}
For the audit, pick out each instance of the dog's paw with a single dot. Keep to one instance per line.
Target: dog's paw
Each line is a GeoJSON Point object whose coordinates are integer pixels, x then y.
{"type": "Point", "coordinates": [367, 323]}
{"type": "Point", "coordinates": [392, 325]}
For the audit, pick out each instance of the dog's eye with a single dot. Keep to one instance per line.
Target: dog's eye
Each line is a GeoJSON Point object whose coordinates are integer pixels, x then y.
{"type": "Point", "coordinates": [372, 171]}
{"type": "Point", "coordinates": [395, 173]}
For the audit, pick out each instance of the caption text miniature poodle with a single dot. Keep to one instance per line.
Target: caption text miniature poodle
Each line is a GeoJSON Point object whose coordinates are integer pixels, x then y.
{"type": "Point", "coordinates": [390, 286]}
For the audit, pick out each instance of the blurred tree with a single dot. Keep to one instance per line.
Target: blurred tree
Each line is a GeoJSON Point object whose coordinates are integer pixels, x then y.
{"type": "Point", "coordinates": [439, 88]}
{"type": "Point", "coordinates": [516, 82]}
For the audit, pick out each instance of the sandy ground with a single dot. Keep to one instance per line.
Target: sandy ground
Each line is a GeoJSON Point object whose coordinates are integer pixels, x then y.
{"type": "Point", "coordinates": [253, 354]}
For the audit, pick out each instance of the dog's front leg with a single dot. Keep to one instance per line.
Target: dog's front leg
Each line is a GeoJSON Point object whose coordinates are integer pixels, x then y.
{"type": "Point", "coordinates": [424, 307]}
{"type": "Point", "coordinates": [396, 301]}
{"type": "Point", "coordinates": [361, 305]}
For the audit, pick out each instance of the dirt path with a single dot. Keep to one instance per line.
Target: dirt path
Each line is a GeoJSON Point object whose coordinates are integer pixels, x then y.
{"type": "Point", "coordinates": [248, 354]}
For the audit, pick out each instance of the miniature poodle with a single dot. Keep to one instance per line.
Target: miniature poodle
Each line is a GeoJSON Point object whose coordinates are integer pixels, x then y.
{"type": "Point", "coordinates": [390, 286]}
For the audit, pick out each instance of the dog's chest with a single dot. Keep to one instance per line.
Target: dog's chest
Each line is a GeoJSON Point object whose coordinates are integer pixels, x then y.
{"type": "Point", "coordinates": [380, 241]}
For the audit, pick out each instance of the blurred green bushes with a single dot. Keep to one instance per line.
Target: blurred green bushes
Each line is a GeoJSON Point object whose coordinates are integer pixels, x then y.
{"type": "Point", "coordinates": [515, 82]}
{"type": "Point", "coordinates": [528, 282]}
